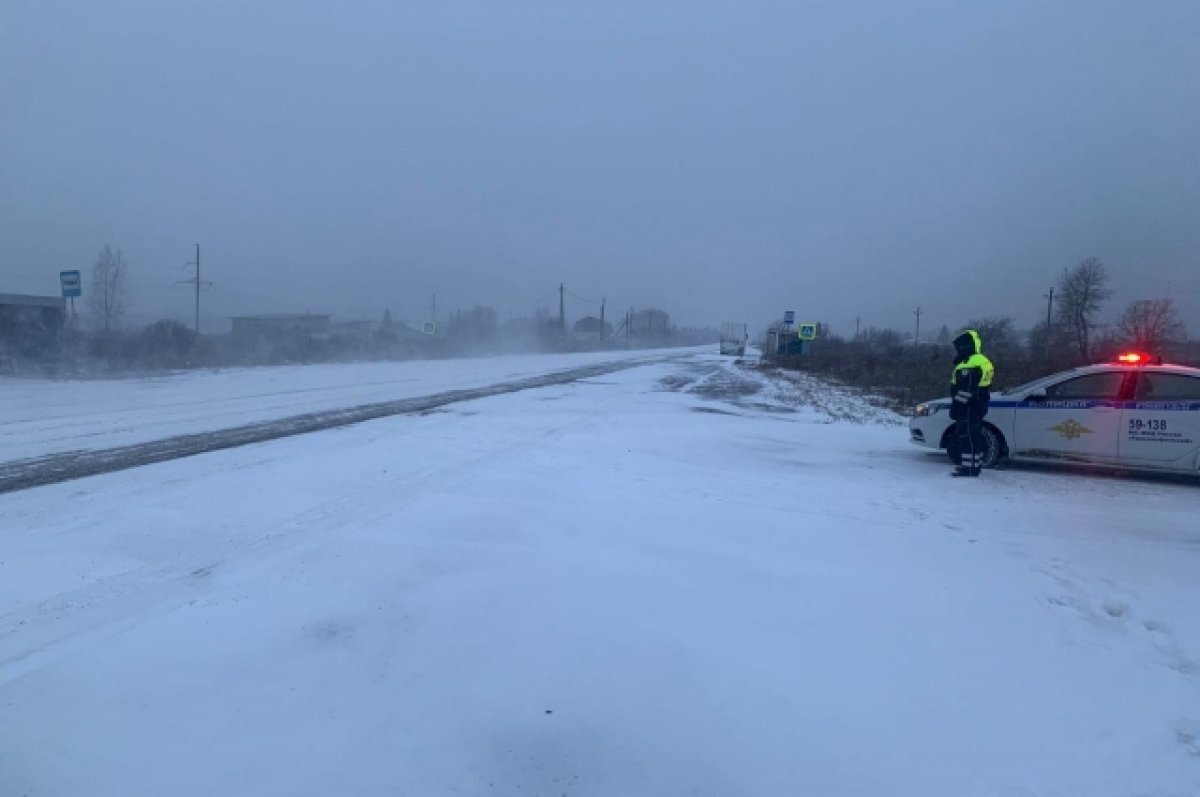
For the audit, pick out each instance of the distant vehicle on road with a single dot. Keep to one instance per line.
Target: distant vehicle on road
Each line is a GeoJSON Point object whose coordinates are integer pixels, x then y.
{"type": "Point", "coordinates": [733, 338]}
{"type": "Point", "coordinates": [1135, 413]}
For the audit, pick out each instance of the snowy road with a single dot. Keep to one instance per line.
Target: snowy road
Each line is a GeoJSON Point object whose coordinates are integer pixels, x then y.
{"type": "Point", "coordinates": [52, 468]}
{"type": "Point", "coordinates": [683, 578]}
{"type": "Point", "coordinates": [42, 417]}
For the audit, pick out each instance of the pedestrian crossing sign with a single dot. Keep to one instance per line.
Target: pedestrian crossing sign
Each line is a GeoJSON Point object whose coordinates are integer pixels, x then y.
{"type": "Point", "coordinates": [807, 332]}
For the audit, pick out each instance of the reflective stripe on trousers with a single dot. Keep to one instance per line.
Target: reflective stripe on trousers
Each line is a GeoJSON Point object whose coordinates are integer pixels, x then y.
{"type": "Point", "coordinates": [972, 445]}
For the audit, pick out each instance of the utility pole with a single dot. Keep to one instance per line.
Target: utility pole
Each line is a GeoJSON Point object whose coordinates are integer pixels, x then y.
{"type": "Point", "coordinates": [857, 326]}
{"type": "Point", "coordinates": [602, 303]}
{"type": "Point", "coordinates": [917, 313]}
{"type": "Point", "coordinates": [197, 290]}
{"type": "Point", "coordinates": [199, 284]}
{"type": "Point", "coordinates": [562, 312]}
{"type": "Point", "coordinates": [1049, 297]}
{"type": "Point", "coordinates": [433, 313]}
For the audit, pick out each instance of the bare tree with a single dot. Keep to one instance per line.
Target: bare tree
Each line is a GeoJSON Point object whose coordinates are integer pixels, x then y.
{"type": "Point", "coordinates": [107, 298]}
{"type": "Point", "coordinates": [1050, 345]}
{"type": "Point", "coordinates": [480, 324]}
{"type": "Point", "coordinates": [1151, 323]}
{"type": "Point", "coordinates": [1082, 291]}
{"type": "Point", "coordinates": [881, 338]}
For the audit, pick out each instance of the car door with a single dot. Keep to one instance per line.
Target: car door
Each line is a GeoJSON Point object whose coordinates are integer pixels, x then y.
{"type": "Point", "coordinates": [1078, 417]}
{"type": "Point", "coordinates": [1161, 426]}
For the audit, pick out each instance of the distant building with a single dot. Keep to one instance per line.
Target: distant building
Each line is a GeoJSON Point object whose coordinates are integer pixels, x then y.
{"type": "Point", "coordinates": [279, 327]}
{"type": "Point", "coordinates": [591, 326]}
{"type": "Point", "coordinates": [391, 331]}
{"type": "Point", "coordinates": [30, 326]}
{"type": "Point", "coordinates": [361, 331]}
{"type": "Point", "coordinates": [782, 341]}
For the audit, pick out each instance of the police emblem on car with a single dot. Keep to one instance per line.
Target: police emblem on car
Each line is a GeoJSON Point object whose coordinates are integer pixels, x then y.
{"type": "Point", "coordinates": [1071, 429]}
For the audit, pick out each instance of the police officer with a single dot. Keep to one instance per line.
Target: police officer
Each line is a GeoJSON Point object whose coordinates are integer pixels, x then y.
{"type": "Point", "coordinates": [969, 388]}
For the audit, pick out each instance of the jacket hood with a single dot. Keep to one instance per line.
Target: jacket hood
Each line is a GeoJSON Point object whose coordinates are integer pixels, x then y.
{"type": "Point", "coordinates": [967, 344]}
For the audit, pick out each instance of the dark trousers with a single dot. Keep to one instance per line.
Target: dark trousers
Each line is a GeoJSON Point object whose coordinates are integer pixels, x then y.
{"type": "Point", "coordinates": [972, 445]}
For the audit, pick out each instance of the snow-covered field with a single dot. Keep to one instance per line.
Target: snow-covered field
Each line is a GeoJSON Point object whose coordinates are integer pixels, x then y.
{"type": "Point", "coordinates": [50, 416]}
{"type": "Point", "coordinates": [685, 578]}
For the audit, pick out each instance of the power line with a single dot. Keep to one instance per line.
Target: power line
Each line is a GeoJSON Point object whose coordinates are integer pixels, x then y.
{"type": "Point", "coordinates": [549, 295]}
{"type": "Point", "coordinates": [577, 297]}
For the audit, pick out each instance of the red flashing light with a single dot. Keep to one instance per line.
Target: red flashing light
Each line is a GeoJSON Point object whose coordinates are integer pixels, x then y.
{"type": "Point", "coordinates": [1138, 358]}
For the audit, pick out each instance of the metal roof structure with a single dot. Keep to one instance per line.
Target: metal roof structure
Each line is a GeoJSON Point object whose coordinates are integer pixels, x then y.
{"type": "Point", "coordinates": [23, 300]}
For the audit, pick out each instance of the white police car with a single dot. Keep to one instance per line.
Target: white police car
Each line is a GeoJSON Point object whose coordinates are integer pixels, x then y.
{"type": "Point", "coordinates": [1134, 413]}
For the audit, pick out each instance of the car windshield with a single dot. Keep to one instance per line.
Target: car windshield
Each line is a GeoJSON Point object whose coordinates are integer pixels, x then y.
{"type": "Point", "coordinates": [1025, 387]}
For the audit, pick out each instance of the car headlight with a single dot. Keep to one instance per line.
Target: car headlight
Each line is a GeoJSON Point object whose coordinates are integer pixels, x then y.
{"type": "Point", "coordinates": [921, 410]}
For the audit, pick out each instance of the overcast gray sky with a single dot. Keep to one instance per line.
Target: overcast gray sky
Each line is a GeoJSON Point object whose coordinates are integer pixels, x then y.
{"type": "Point", "coordinates": [721, 160]}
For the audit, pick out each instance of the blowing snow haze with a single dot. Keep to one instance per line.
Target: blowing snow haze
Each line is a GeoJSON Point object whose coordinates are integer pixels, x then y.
{"type": "Point", "coordinates": [718, 160]}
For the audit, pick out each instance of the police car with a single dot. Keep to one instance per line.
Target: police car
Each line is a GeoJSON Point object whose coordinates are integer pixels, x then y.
{"type": "Point", "coordinates": [1135, 413]}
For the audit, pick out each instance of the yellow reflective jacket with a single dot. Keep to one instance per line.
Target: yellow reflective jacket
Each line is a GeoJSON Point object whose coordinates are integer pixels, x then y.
{"type": "Point", "coordinates": [975, 358]}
